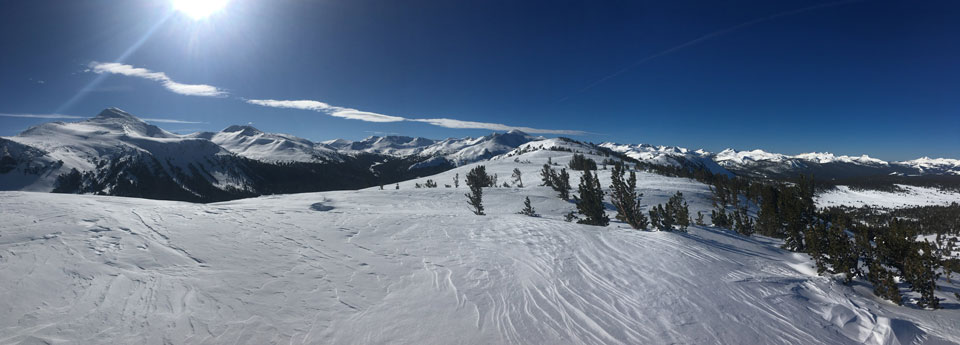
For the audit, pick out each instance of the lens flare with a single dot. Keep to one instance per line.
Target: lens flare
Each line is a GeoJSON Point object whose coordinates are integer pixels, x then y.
{"type": "Point", "coordinates": [199, 9]}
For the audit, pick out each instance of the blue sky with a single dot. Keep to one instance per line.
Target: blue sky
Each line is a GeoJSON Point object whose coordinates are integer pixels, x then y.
{"type": "Point", "coordinates": [852, 77]}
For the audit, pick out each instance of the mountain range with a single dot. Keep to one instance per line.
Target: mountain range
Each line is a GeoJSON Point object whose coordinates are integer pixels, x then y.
{"type": "Point", "coordinates": [116, 153]}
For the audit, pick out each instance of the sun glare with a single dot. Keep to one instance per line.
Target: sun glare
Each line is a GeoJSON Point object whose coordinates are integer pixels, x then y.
{"type": "Point", "coordinates": [198, 9]}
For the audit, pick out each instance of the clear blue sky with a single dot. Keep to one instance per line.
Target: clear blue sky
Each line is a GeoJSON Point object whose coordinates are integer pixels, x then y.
{"type": "Point", "coordinates": [874, 77]}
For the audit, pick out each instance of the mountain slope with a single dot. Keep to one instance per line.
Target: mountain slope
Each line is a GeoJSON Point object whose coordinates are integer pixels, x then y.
{"type": "Point", "coordinates": [414, 266]}
{"type": "Point", "coordinates": [252, 143]}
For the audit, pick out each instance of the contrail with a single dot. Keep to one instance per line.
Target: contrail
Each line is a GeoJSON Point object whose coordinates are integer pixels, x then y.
{"type": "Point", "coordinates": [708, 37]}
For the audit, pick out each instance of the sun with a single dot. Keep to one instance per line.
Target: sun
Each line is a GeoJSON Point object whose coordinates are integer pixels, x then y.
{"type": "Point", "coordinates": [199, 9]}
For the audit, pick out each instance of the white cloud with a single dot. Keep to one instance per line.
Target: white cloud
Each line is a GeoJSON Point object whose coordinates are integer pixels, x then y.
{"type": "Point", "coordinates": [451, 123]}
{"type": "Point", "coordinates": [355, 114]}
{"type": "Point", "coordinates": [44, 116]}
{"type": "Point", "coordinates": [346, 113]}
{"type": "Point", "coordinates": [180, 88]}
{"type": "Point", "coordinates": [302, 104]}
{"type": "Point", "coordinates": [172, 121]}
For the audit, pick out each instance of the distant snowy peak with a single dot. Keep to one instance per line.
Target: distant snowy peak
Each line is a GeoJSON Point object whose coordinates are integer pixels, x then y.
{"type": "Point", "coordinates": [253, 143]}
{"type": "Point", "coordinates": [934, 165]}
{"type": "Point", "coordinates": [457, 151]}
{"type": "Point", "coordinates": [730, 156]}
{"type": "Point", "coordinates": [386, 145]}
{"type": "Point", "coordinates": [827, 157]}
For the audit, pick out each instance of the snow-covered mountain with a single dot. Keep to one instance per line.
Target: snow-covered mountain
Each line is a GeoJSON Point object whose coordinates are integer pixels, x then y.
{"type": "Point", "coordinates": [414, 266]}
{"type": "Point", "coordinates": [118, 154]}
{"type": "Point", "coordinates": [760, 163]}
{"type": "Point", "coordinates": [252, 143]}
{"type": "Point", "coordinates": [115, 153]}
{"type": "Point", "coordinates": [456, 151]}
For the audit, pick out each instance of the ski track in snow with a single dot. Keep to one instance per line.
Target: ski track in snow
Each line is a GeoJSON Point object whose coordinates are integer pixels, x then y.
{"type": "Point", "coordinates": [413, 266]}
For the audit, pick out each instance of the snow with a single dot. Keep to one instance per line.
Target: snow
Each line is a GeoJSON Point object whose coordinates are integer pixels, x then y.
{"type": "Point", "coordinates": [252, 143]}
{"type": "Point", "coordinates": [458, 151]}
{"type": "Point", "coordinates": [938, 164]}
{"type": "Point", "coordinates": [826, 157]}
{"type": "Point", "coordinates": [414, 266]}
{"type": "Point", "coordinates": [909, 196]}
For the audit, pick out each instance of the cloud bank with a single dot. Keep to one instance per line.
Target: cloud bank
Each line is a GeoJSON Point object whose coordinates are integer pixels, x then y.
{"type": "Point", "coordinates": [180, 88]}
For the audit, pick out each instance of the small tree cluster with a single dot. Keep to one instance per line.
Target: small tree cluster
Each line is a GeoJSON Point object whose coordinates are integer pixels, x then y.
{"type": "Point", "coordinates": [624, 196]}
{"type": "Point", "coordinates": [590, 202]}
{"type": "Point", "coordinates": [559, 181]}
{"type": "Point", "coordinates": [675, 215]}
{"type": "Point", "coordinates": [582, 163]}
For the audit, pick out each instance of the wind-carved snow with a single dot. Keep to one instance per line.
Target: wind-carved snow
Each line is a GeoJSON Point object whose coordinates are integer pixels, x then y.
{"type": "Point", "coordinates": [414, 266]}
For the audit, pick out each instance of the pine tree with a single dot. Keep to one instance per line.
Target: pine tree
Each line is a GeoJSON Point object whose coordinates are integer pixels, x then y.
{"type": "Point", "coordinates": [700, 219]}
{"type": "Point", "coordinates": [884, 284]}
{"type": "Point", "coordinates": [528, 209]}
{"type": "Point", "coordinates": [517, 177]}
{"type": "Point", "coordinates": [561, 184]}
{"type": "Point", "coordinates": [679, 213]}
{"type": "Point", "coordinates": [625, 198]}
{"type": "Point", "coordinates": [843, 256]}
{"type": "Point", "coordinates": [547, 175]}
{"type": "Point", "coordinates": [476, 180]}
{"type": "Point", "coordinates": [456, 180]}
{"type": "Point", "coordinates": [590, 202]}
{"type": "Point", "coordinates": [920, 271]}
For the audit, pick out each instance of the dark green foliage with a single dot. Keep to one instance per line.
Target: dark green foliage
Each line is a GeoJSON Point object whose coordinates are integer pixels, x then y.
{"type": "Point", "coordinates": [700, 218]}
{"type": "Point", "coordinates": [674, 216]}
{"type": "Point", "coordinates": [528, 209]}
{"type": "Point", "coordinates": [625, 198]}
{"type": "Point", "coordinates": [570, 216]}
{"type": "Point", "coordinates": [678, 209]}
{"type": "Point", "coordinates": [590, 202]}
{"type": "Point", "coordinates": [517, 177]}
{"type": "Point", "coordinates": [721, 219]}
{"type": "Point", "coordinates": [920, 271]}
{"type": "Point", "coordinates": [560, 182]}
{"type": "Point", "coordinates": [884, 284]}
{"type": "Point", "coordinates": [476, 179]}
{"type": "Point", "coordinates": [742, 223]}
{"type": "Point", "coordinates": [69, 183]}
{"type": "Point", "coordinates": [582, 163]}
{"type": "Point", "coordinates": [659, 218]}
{"type": "Point", "coordinates": [547, 175]}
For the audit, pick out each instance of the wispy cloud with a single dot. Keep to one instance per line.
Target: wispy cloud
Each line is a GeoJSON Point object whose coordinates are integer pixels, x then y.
{"type": "Point", "coordinates": [173, 121]}
{"type": "Point", "coordinates": [180, 88]}
{"type": "Point", "coordinates": [336, 111]}
{"type": "Point", "coordinates": [74, 117]}
{"type": "Point", "coordinates": [451, 123]}
{"type": "Point", "coordinates": [44, 116]}
{"type": "Point", "coordinates": [355, 114]}
{"type": "Point", "coordinates": [346, 113]}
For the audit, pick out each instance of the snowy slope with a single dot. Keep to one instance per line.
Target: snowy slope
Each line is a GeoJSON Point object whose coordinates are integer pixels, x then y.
{"type": "Point", "coordinates": [413, 266]}
{"type": "Point", "coordinates": [252, 143]}
{"type": "Point", "coordinates": [907, 197]}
